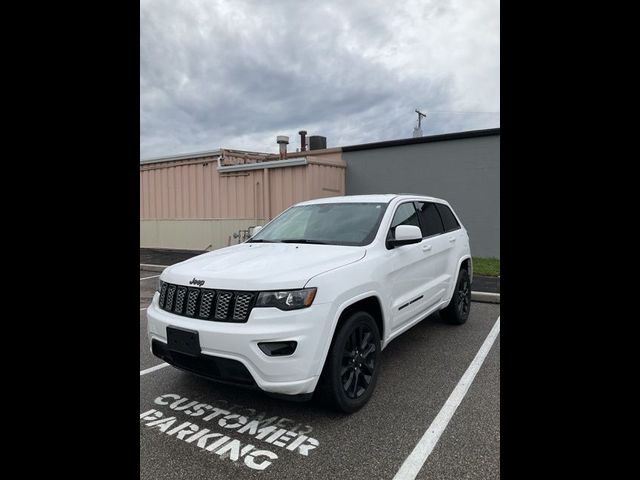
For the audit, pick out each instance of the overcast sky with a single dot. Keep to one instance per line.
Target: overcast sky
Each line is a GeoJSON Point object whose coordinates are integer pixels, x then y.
{"type": "Point", "coordinates": [236, 73]}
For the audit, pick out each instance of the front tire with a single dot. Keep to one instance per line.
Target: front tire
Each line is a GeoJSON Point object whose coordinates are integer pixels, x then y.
{"type": "Point", "coordinates": [352, 366]}
{"type": "Point", "coordinates": [457, 312]}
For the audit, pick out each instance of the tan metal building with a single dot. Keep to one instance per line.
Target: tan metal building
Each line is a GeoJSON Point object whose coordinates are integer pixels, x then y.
{"type": "Point", "coordinates": [198, 201]}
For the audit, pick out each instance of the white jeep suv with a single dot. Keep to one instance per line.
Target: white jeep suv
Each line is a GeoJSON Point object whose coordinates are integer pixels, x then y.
{"type": "Point", "coordinates": [313, 297]}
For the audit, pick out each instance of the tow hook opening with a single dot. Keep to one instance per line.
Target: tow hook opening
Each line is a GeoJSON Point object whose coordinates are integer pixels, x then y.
{"type": "Point", "coordinates": [278, 349]}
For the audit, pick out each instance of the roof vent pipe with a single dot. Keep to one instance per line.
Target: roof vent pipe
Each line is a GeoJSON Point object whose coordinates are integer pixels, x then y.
{"type": "Point", "coordinates": [283, 141]}
{"type": "Point", "coordinates": [303, 140]}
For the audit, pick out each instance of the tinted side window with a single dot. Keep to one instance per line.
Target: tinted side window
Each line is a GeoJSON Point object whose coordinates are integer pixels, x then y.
{"type": "Point", "coordinates": [449, 220]}
{"type": "Point", "coordinates": [405, 215]}
{"type": "Point", "coordinates": [430, 221]}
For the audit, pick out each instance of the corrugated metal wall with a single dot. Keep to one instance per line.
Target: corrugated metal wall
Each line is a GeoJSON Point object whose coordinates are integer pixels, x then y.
{"type": "Point", "coordinates": [177, 190]}
{"type": "Point", "coordinates": [296, 184]}
{"type": "Point", "coordinates": [194, 189]}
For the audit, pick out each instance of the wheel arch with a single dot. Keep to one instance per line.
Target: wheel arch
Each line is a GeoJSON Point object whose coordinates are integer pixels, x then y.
{"type": "Point", "coordinates": [371, 305]}
{"type": "Point", "coordinates": [467, 262]}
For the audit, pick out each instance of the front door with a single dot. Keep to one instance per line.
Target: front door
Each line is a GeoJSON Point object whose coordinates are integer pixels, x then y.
{"type": "Point", "coordinates": [409, 270]}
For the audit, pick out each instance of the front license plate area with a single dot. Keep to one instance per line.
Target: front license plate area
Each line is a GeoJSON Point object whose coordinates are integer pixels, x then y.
{"type": "Point", "coordinates": [183, 341]}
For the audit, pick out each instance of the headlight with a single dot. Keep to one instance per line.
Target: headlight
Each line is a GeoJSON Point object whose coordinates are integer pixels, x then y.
{"type": "Point", "coordinates": [287, 299]}
{"type": "Point", "coordinates": [158, 285]}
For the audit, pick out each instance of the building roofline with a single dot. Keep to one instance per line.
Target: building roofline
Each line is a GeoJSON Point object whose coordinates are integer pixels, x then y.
{"type": "Point", "coordinates": [348, 148]}
{"type": "Point", "coordinates": [432, 138]}
{"type": "Point", "coordinates": [181, 156]}
{"type": "Point", "coordinates": [222, 151]}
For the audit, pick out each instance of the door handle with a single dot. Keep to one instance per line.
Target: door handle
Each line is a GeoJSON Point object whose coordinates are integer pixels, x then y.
{"type": "Point", "coordinates": [426, 248]}
{"type": "Point", "coordinates": [452, 239]}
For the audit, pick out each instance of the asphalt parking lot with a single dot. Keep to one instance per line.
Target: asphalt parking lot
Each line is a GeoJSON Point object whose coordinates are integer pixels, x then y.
{"type": "Point", "coordinates": [420, 370]}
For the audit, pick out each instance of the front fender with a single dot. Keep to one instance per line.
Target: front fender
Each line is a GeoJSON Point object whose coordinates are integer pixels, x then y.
{"type": "Point", "coordinates": [343, 287]}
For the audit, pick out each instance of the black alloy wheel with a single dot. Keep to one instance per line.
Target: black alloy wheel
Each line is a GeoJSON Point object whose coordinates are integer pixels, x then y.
{"type": "Point", "coordinates": [353, 363]}
{"type": "Point", "coordinates": [464, 297]}
{"type": "Point", "coordinates": [358, 362]}
{"type": "Point", "coordinates": [457, 312]}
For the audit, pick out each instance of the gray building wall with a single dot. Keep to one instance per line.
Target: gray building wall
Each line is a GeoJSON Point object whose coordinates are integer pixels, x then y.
{"type": "Point", "coordinates": [464, 171]}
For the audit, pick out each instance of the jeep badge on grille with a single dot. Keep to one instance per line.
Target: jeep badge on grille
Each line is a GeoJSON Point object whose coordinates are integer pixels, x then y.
{"type": "Point", "coordinates": [195, 281]}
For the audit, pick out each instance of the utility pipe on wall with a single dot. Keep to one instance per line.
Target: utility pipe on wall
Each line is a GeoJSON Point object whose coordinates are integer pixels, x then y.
{"type": "Point", "coordinates": [267, 195]}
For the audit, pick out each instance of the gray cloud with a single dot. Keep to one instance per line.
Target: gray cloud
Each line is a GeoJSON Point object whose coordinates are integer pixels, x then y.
{"type": "Point", "coordinates": [237, 73]}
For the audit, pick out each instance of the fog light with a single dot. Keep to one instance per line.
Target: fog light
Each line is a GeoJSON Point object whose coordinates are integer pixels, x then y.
{"type": "Point", "coordinates": [278, 349]}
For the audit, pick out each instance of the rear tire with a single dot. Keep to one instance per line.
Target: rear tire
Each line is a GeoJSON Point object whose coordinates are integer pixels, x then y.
{"type": "Point", "coordinates": [352, 366]}
{"type": "Point", "coordinates": [457, 312]}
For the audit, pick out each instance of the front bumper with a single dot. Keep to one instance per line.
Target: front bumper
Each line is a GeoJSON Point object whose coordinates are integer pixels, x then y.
{"type": "Point", "coordinates": [289, 375]}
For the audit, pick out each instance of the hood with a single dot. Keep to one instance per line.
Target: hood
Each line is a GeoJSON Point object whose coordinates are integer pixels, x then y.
{"type": "Point", "coordinates": [262, 266]}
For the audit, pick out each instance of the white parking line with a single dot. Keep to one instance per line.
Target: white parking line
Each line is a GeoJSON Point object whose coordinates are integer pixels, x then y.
{"type": "Point", "coordinates": [143, 308]}
{"type": "Point", "coordinates": [423, 449]}
{"type": "Point", "coordinates": [153, 369]}
{"type": "Point", "coordinates": [147, 278]}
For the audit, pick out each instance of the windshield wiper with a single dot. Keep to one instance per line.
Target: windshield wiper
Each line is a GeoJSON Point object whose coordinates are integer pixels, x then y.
{"type": "Point", "coordinates": [260, 240]}
{"type": "Point", "coordinates": [304, 240]}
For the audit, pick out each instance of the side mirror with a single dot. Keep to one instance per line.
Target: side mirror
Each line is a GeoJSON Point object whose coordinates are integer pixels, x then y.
{"type": "Point", "coordinates": [255, 229]}
{"type": "Point", "coordinates": [405, 235]}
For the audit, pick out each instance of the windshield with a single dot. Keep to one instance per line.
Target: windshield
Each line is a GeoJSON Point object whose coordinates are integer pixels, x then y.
{"type": "Point", "coordinates": [326, 223]}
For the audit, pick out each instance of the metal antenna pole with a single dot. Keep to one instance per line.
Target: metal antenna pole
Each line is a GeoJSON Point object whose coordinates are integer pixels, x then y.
{"type": "Point", "coordinates": [417, 132]}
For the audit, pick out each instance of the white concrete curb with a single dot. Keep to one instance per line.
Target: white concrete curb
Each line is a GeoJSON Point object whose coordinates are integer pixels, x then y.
{"type": "Point", "coordinates": [485, 297]}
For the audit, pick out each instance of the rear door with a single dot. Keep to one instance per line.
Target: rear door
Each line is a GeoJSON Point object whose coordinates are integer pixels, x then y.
{"type": "Point", "coordinates": [452, 236]}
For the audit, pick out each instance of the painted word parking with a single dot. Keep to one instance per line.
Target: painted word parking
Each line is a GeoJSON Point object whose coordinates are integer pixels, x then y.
{"type": "Point", "coordinates": [216, 440]}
